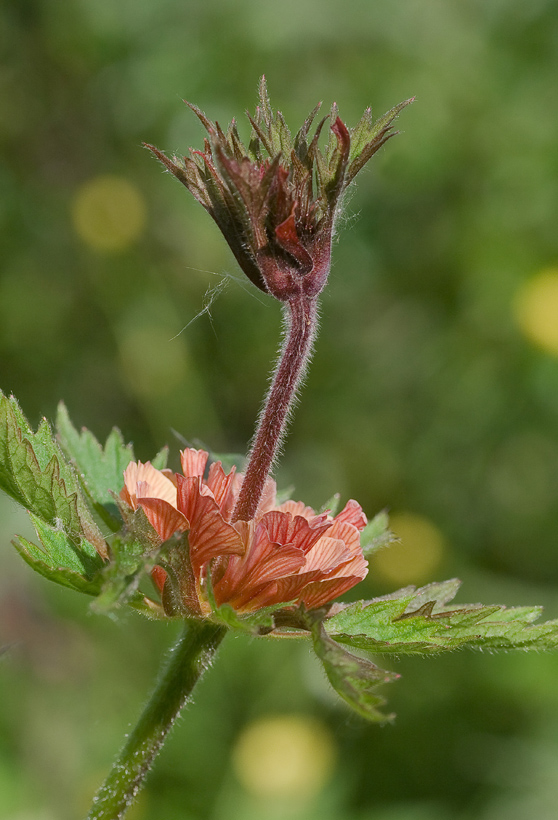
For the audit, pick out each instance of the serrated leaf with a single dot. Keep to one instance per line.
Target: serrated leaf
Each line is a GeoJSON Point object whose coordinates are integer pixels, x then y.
{"type": "Point", "coordinates": [35, 474]}
{"type": "Point", "coordinates": [354, 679]}
{"type": "Point", "coordinates": [62, 551]}
{"type": "Point", "coordinates": [102, 469]}
{"type": "Point", "coordinates": [59, 560]}
{"type": "Point", "coordinates": [7, 480]}
{"type": "Point", "coordinates": [418, 622]}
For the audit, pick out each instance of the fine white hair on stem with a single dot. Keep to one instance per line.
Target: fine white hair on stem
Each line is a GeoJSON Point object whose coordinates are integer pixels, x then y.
{"type": "Point", "coordinates": [299, 384]}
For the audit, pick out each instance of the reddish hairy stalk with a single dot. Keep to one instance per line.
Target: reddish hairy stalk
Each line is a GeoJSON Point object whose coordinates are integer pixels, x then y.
{"type": "Point", "coordinates": [301, 316]}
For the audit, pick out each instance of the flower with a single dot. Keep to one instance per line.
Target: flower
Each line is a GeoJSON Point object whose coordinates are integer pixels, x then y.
{"type": "Point", "coordinates": [276, 200]}
{"type": "Point", "coordinates": [286, 555]}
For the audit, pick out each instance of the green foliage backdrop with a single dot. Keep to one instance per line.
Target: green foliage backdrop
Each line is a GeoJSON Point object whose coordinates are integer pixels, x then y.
{"type": "Point", "coordinates": [434, 389]}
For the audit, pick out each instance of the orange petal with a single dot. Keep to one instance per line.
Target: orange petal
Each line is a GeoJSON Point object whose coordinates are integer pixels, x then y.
{"type": "Point", "coordinates": [209, 535]}
{"type": "Point", "coordinates": [222, 487]}
{"type": "Point", "coordinates": [299, 531]}
{"type": "Point", "coordinates": [163, 517]}
{"type": "Point", "coordinates": [267, 501]}
{"type": "Point", "coordinates": [193, 461]}
{"type": "Point", "coordinates": [263, 561]}
{"type": "Point", "coordinates": [353, 514]}
{"type": "Point", "coordinates": [327, 555]}
{"type": "Point", "coordinates": [297, 508]}
{"type": "Point", "coordinates": [159, 577]}
{"type": "Point", "coordinates": [154, 484]}
{"type": "Point", "coordinates": [318, 593]}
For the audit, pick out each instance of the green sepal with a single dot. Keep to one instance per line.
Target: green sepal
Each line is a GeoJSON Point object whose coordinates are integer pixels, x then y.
{"type": "Point", "coordinates": [59, 560]}
{"type": "Point", "coordinates": [355, 679]}
{"type": "Point", "coordinates": [129, 564]}
{"type": "Point", "coordinates": [332, 505]}
{"type": "Point", "coordinates": [418, 622]}
{"type": "Point", "coordinates": [158, 461]}
{"type": "Point", "coordinates": [368, 136]}
{"type": "Point", "coordinates": [257, 623]}
{"type": "Point", "coordinates": [34, 472]}
{"type": "Point", "coordinates": [376, 534]}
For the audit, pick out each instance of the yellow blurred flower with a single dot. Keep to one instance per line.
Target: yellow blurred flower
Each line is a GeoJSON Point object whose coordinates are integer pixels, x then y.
{"type": "Point", "coordinates": [108, 213]}
{"type": "Point", "coordinates": [415, 557]}
{"type": "Point", "coordinates": [536, 310]}
{"type": "Point", "coordinates": [287, 756]}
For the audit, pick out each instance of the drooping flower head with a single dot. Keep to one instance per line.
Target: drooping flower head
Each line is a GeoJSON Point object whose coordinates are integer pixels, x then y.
{"type": "Point", "coordinates": [276, 200]}
{"type": "Point", "coordinates": [287, 554]}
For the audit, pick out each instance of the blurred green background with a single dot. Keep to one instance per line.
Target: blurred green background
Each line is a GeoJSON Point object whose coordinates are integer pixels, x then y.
{"type": "Point", "coordinates": [433, 392]}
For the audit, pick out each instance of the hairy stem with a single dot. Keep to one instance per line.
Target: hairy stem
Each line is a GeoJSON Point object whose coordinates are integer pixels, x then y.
{"type": "Point", "coordinates": [189, 658]}
{"type": "Point", "coordinates": [301, 316]}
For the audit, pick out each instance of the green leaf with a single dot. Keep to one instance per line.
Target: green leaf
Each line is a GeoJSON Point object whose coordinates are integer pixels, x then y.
{"type": "Point", "coordinates": [59, 560]}
{"type": "Point", "coordinates": [102, 469]}
{"type": "Point", "coordinates": [354, 679]}
{"type": "Point", "coordinates": [419, 622]}
{"type": "Point", "coordinates": [34, 472]}
{"type": "Point", "coordinates": [376, 534]}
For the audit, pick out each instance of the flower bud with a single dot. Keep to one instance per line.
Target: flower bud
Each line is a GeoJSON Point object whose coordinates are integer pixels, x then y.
{"type": "Point", "coordinates": [276, 201]}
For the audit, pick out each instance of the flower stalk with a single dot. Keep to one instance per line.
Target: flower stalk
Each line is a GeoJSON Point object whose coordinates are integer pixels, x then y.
{"type": "Point", "coordinates": [190, 657]}
{"type": "Point", "coordinates": [301, 319]}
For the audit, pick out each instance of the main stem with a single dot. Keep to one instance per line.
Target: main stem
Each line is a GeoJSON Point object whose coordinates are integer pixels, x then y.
{"type": "Point", "coordinates": [189, 658]}
{"type": "Point", "coordinates": [301, 319]}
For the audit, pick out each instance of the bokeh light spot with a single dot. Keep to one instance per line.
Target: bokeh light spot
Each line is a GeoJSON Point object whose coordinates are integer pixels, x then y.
{"type": "Point", "coordinates": [416, 556]}
{"type": "Point", "coordinates": [287, 756]}
{"type": "Point", "coordinates": [536, 310]}
{"type": "Point", "coordinates": [108, 213]}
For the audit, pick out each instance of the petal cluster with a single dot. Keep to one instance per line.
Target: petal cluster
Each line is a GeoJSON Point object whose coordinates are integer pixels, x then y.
{"type": "Point", "coordinates": [275, 200]}
{"type": "Point", "coordinates": [287, 554]}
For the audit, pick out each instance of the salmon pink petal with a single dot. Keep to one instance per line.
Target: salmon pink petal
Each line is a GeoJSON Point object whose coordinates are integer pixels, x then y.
{"type": "Point", "coordinates": [358, 565]}
{"type": "Point", "coordinates": [154, 484]}
{"type": "Point", "coordinates": [353, 514]}
{"type": "Point", "coordinates": [318, 593]}
{"type": "Point", "coordinates": [222, 487]}
{"type": "Point", "coordinates": [257, 598]}
{"type": "Point", "coordinates": [170, 475]}
{"type": "Point", "coordinates": [289, 589]}
{"type": "Point", "coordinates": [209, 535]}
{"type": "Point", "coordinates": [327, 555]}
{"type": "Point", "coordinates": [163, 517]}
{"type": "Point", "coordinates": [347, 533]}
{"type": "Point", "coordinates": [299, 531]}
{"type": "Point", "coordinates": [262, 562]}
{"type": "Point", "coordinates": [297, 508]}
{"type": "Point", "coordinates": [267, 501]}
{"type": "Point", "coordinates": [355, 564]}
{"type": "Point", "coordinates": [193, 462]}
